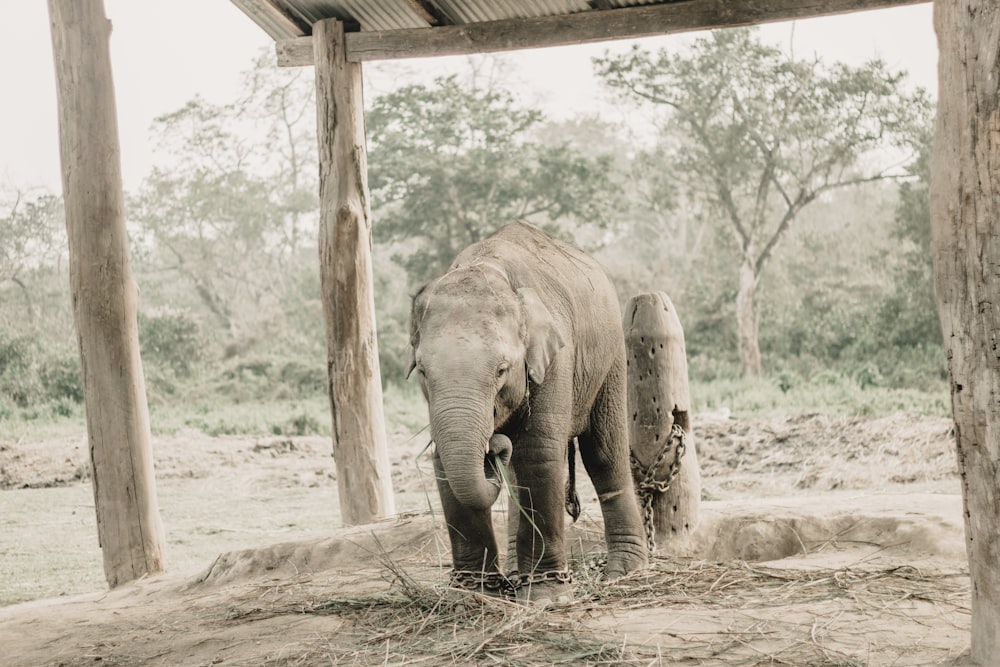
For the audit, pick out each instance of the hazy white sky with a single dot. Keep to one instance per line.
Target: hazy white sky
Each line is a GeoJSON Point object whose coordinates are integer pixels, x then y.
{"type": "Point", "coordinates": [164, 53]}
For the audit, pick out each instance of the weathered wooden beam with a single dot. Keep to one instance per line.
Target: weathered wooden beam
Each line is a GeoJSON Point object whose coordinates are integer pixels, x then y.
{"type": "Point", "coordinates": [275, 22]}
{"type": "Point", "coordinates": [965, 217]}
{"type": "Point", "coordinates": [579, 28]}
{"type": "Point", "coordinates": [658, 398]}
{"type": "Point", "coordinates": [104, 294]}
{"type": "Point", "coordinates": [359, 437]}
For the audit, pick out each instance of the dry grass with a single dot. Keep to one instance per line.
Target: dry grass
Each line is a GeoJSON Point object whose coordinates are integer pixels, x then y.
{"type": "Point", "coordinates": [418, 623]}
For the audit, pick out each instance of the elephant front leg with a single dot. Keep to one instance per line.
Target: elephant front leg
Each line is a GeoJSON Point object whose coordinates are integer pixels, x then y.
{"type": "Point", "coordinates": [513, 521]}
{"type": "Point", "coordinates": [474, 553]}
{"type": "Point", "coordinates": [543, 574]}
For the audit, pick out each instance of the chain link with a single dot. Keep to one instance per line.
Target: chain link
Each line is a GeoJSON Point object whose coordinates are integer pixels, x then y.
{"type": "Point", "coordinates": [497, 583]}
{"type": "Point", "coordinates": [558, 576]}
{"type": "Point", "coordinates": [483, 582]}
{"type": "Point", "coordinates": [648, 486]}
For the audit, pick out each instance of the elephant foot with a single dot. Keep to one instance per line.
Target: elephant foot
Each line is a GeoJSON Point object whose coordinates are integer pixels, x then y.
{"type": "Point", "coordinates": [548, 589]}
{"type": "Point", "coordinates": [623, 563]}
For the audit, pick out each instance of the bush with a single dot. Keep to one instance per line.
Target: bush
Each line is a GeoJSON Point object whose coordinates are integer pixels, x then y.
{"type": "Point", "coordinates": [171, 341]}
{"type": "Point", "coordinates": [19, 380]}
{"type": "Point", "coordinates": [303, 380]}
{"type": "Point", "coordinates": [62, 379]}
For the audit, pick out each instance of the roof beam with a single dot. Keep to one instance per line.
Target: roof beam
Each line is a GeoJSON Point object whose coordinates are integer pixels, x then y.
{"type": "Point", "coordinates": [275, 22]}
{"type": "Point", "coordinates": [580, 28]}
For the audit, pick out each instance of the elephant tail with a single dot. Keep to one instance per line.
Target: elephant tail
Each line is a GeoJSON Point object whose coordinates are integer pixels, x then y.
{"type": "Point", "coordinates": [572, 499]}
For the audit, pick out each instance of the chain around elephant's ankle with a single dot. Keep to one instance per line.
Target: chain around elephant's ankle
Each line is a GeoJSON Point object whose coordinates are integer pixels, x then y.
{"type": "Point", "coordinates": [484, 582]}
{"type": "Point", "coordinates": [530, 578]}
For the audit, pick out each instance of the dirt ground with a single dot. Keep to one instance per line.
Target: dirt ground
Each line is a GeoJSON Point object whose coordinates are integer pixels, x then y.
{"type": "Point", "coordinates": [822, 541]}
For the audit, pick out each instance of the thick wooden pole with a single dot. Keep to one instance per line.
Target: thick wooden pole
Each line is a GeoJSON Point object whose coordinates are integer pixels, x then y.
{"type": "Point", "coordinates": [104, 294]}
{"type": "Point", "coordinates": [965, 220]}
{"type": "Point", "coordinates": [658, 397]}
{"type": "Point", "coordinates": [359, 440]}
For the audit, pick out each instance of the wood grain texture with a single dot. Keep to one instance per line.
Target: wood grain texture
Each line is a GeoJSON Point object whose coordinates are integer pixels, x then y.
{"type": "Point", "coordinates": [104, 294]}
{"type": "Point", "coordinates": [578, 28]}
{"type": "Point", "coordinates": [359, 438]}
{"type": "Point", "coordinates": [965, 221]}
{"type": "Point", "coordinates": [659, 395]}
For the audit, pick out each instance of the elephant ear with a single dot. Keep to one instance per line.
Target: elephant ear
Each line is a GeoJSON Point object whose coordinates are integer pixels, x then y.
{"type": "Point", "coordinates": [544, 340]}
{"type": "Point", "coordinates": [416, 314]}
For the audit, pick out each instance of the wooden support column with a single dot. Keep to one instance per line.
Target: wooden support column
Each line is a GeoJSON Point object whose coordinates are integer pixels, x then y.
{"type": "Point", "coordinates": [658, 397]}
{"type": "Point", "coordinates": [359, 439]}
{"type": "Point", "coordinates": [104, 294]}
{"type": "Point", "coordinates": [965, 221]}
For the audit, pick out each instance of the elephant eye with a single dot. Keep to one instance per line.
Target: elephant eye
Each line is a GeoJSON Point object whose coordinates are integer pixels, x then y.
{"type": "Point", "coordinates": [502, 369]}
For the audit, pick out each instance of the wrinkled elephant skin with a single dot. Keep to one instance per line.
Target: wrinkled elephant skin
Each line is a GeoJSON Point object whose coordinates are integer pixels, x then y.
{"type": "Point", "coordinates": [518, 349]}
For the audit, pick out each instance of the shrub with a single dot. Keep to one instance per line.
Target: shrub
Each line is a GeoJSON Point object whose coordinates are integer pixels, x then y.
{"type": "Point", "coordinates": [19, 380]}
{"type": "Point", "coordinates": [62, 379]}
{"type": "Point", "coordinates": [303, 380]}
{"type": "Point", "coordinates": [171, 341]}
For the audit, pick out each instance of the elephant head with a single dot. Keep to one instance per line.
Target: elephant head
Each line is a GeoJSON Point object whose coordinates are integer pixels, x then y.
{"type": "Point", "coordinates": [475, 341]}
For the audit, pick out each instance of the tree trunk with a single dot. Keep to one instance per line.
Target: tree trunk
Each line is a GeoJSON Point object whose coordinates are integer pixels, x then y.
{"type": "Point", "coordinates": [359, 439]}
{"type": "Point", "coordinates": [104, 294]}
{"type": "Point", "coordinates": [965, 216]}
{"type": "Point", "coordinates": [746, 320]}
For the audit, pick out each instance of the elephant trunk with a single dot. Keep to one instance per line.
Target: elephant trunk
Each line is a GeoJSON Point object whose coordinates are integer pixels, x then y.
{"type": "Point", "coordinates": [464, 438]}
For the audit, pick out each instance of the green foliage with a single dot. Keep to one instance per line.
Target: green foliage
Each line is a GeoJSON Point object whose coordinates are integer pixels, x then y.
{"type": "Point", "coordinates": [28, 233]}
{"type": "Point", "coordinates": [62, 380]}
{"type": "Point", "coordinates": [908, 313]}
{"type": "Point", "coordinates": [451, 163]}
{"type": "Point", "coordinates": [18, 370]}
{"type": "Point", "coordinates": [170, 340]}
{"type": "Point", "coordinates": [222, 230]}
{"type": "Point", "coordinates": [825, 392]}
{"type": "Point", "coordinates": [39, 379]}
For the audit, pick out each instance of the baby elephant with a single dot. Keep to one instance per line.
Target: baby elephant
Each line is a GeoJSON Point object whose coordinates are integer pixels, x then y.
{"type": "Point", "coordinates": [519, 349]}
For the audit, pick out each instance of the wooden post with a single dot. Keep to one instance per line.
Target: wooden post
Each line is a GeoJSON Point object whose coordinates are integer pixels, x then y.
{"type": "Point", "coordinates": [104, 294]}
{"type": "Point", "coordinates": [965, 221]}
{"type": "Point", "coordinates": [359, 440]}
{"type": "Point", "coordinates": [659, 396]}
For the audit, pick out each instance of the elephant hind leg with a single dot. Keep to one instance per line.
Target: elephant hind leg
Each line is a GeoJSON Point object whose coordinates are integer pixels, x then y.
{"type": "Point", "coordinates": [604, 450]}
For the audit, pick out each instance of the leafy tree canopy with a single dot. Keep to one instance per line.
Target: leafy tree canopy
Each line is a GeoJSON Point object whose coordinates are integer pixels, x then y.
{"type": "Point", "coordinates": [449, 164]}
{"type": "Point", "coordinates": [760, 135]}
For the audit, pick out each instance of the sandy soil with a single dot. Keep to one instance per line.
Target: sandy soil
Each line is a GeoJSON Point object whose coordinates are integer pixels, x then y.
{"type": "Point", "coordinates": [823, 541]}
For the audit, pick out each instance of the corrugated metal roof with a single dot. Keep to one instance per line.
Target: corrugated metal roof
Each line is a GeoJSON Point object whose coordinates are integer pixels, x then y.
{"type": "Point", "coordinates": [373, 15]}
{"type": "Point", "coordinates": [478, 11]}
{"type": "Point", "coordinates": [419, 28]}
{"type": "Point", "coordinates": [368, 14]}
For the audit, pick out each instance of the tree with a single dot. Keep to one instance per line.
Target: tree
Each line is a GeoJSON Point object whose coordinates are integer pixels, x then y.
{"type": "Point", "coordinates": [28, 241]}
{"type": "Point", "coordinates": [226, 215]}
{"type": "Point", "coordinates": [450, 163]}
{"type": "Point", "coordinates": [761, 135]}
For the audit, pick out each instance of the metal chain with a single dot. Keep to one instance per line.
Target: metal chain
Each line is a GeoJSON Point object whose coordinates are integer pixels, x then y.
{"type": "Point", "coordinates": [648, 486]}
{"type": "Point", "coordinates": [558, 576]}
{"type": "Point", "coordinates": [505, 585]}
{"type": "Point", "coordinates": [483, 582]}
